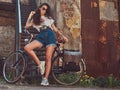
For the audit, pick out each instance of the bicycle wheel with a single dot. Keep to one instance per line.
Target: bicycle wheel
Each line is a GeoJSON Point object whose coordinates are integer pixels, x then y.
{"type": "Point", "coordinates": [14, 67]}
{"type": "Point", "coordinates": [64, 74]}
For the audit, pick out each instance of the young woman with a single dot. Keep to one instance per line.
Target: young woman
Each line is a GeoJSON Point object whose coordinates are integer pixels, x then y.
{"type": "Point", "coordinates": [43, 22]}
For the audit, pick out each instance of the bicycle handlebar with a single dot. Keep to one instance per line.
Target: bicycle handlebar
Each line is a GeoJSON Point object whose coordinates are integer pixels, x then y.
{"type": "Point", "coordinates": [31, 35]}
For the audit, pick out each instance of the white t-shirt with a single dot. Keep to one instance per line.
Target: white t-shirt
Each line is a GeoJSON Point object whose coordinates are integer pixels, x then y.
{"type": "Point", "coordinates": [46, 21]}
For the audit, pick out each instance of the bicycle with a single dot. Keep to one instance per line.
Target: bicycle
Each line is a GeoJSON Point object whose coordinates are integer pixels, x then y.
{"type": "Point", "coordinates": [16, 63]}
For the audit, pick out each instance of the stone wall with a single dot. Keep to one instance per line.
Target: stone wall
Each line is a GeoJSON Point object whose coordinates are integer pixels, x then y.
{"type": "Point", "coordinates": [7, 40]}
{"type": "Point", "coordinates": [7, 29]}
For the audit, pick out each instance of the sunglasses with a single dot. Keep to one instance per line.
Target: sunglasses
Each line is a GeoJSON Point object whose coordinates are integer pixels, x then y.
{"type": "Point", "coordinates": [44, 9]}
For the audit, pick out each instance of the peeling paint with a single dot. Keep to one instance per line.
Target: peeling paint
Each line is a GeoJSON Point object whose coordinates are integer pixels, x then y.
{"type": "Point", "coordinates": [108, 10]}
{"type": "Point", "coordinates": [70, 19]}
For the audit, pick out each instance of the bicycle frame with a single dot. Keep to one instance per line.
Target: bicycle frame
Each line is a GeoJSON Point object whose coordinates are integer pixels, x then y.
{"type": "Point", "coordinates": [58, 51]}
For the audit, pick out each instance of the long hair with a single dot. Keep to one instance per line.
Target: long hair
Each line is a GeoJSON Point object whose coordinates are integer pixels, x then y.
{"type": "Point", "coordinates": [37, 15]}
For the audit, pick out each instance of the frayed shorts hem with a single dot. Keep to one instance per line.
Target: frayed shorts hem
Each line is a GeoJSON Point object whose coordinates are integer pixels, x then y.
{"type": "Point", "coordinates": [52, 44]}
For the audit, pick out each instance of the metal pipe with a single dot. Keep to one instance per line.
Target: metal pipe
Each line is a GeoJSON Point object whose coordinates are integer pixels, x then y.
{"type": "Point", "coordinates": [19, 26]}
{"type": "Point", "coordinates": [19, 16]}
{"type": "Point", "coordinates": [18, 30]}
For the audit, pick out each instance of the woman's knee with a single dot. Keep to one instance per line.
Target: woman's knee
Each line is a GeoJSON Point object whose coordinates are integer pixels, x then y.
{"type": "Point", "coordinates": [27, 48]}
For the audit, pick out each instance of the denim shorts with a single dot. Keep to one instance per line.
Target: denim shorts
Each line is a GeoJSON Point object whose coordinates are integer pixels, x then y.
{"type": "Point", "coordinates": [46, 37]}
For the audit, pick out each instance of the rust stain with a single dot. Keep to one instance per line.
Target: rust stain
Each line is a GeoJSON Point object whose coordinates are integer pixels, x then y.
{"type": "Point", "coordinates": [103, 39]}
{"type": "Point", "coordinates": [69, 22]}
{"type": "Point", "coordinates": [103, 26]}
{"type": "Point", "coordinates": [75, 32]}
{"type": "Point", "coordinates": [71, 14]}
{"type": "Point", "coordinates": [94, 4]}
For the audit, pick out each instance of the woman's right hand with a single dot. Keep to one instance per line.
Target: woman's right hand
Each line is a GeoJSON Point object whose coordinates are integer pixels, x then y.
{"type": "Point", "coordinates": [29, 20]}
{"type": "Point", "coordinates": [26, 27]}
{"type": "Point", "coordinates": [32, 13]}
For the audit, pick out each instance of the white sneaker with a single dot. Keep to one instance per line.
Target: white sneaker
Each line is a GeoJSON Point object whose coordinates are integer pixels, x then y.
{"type": "Point", "coordinates": [42, 67]}
{"type": "Point", "coordinates": [44, 82]}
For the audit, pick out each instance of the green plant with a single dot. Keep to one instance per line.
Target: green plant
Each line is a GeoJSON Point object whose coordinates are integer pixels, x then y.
{"type": "Point", "coordinates": [101, 81]}
{"type": "Point", "coordinates": [86, 81]}
{"type": "Point", "coordinates": [68, 78]}
{"type": "Point", "coordinates": [112, 81]}
{"type": "Point", "coordinates": [1, 79]}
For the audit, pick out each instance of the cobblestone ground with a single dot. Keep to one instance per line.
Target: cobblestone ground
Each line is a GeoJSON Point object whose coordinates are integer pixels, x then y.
{"type": "Point", "coordinates": [51, 87]}
{"type": "Point", "coordinates": [26, 86]}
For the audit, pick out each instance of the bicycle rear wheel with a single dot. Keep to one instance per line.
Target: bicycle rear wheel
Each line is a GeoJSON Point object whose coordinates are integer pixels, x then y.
{"type": "Point", "coordinates": [14, 67]}
{"type": "Point", "coordinates": [66, 73]}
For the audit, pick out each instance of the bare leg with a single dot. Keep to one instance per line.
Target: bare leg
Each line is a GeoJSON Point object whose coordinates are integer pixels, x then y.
{"type": "Point", "coordinates": [29, 49]}
{"type": "Point", "coordinates": [49, 51]}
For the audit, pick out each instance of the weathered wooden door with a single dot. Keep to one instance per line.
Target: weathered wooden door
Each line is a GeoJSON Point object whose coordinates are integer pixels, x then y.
{"type": "Point", "coordinates": [90, 27]}
{"type": "Point", "coordinates": [99, 34]}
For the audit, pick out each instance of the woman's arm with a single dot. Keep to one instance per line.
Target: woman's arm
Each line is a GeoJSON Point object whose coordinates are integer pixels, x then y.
{"type": "Point", "coordinates": [58, 32]}
{"type": "Point", "coordinates": [29, 21]}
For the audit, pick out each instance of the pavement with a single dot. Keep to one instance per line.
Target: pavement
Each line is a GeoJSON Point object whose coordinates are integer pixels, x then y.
{"type": "Point", "coordinates": [51, 87]}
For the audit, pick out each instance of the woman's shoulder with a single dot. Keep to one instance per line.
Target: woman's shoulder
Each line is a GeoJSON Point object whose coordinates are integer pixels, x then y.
{"type": "Point", "coordinates": [50, 18]}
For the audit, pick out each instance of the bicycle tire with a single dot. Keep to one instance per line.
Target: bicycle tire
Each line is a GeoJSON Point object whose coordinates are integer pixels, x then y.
{"type": "Point", "coordinates": [64, 76]}
{"type": "Point", "coordinates": [14, 67]}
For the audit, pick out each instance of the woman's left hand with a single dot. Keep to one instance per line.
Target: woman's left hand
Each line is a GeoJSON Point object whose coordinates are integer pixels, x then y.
{"type": "Point", "coordinates": [65, 39]}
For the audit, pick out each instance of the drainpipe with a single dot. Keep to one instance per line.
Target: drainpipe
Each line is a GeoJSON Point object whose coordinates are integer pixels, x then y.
{"type": "Point", "coordinates": [18, 30]}
{"type": "Point", "coordinates": [19, 26]}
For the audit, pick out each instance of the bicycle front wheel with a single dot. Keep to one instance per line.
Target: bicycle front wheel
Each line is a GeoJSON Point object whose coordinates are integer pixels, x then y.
{"type": "Point", "coordinates": [14, 67]}
{"type": "Point", "coordinates": [67, 73]}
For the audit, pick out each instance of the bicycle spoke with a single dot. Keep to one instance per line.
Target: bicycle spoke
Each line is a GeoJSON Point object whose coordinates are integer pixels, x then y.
{"type": "Point", "coordinates": [65, 75]}
{"type": "Point", "coordinates": [14, 67]}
